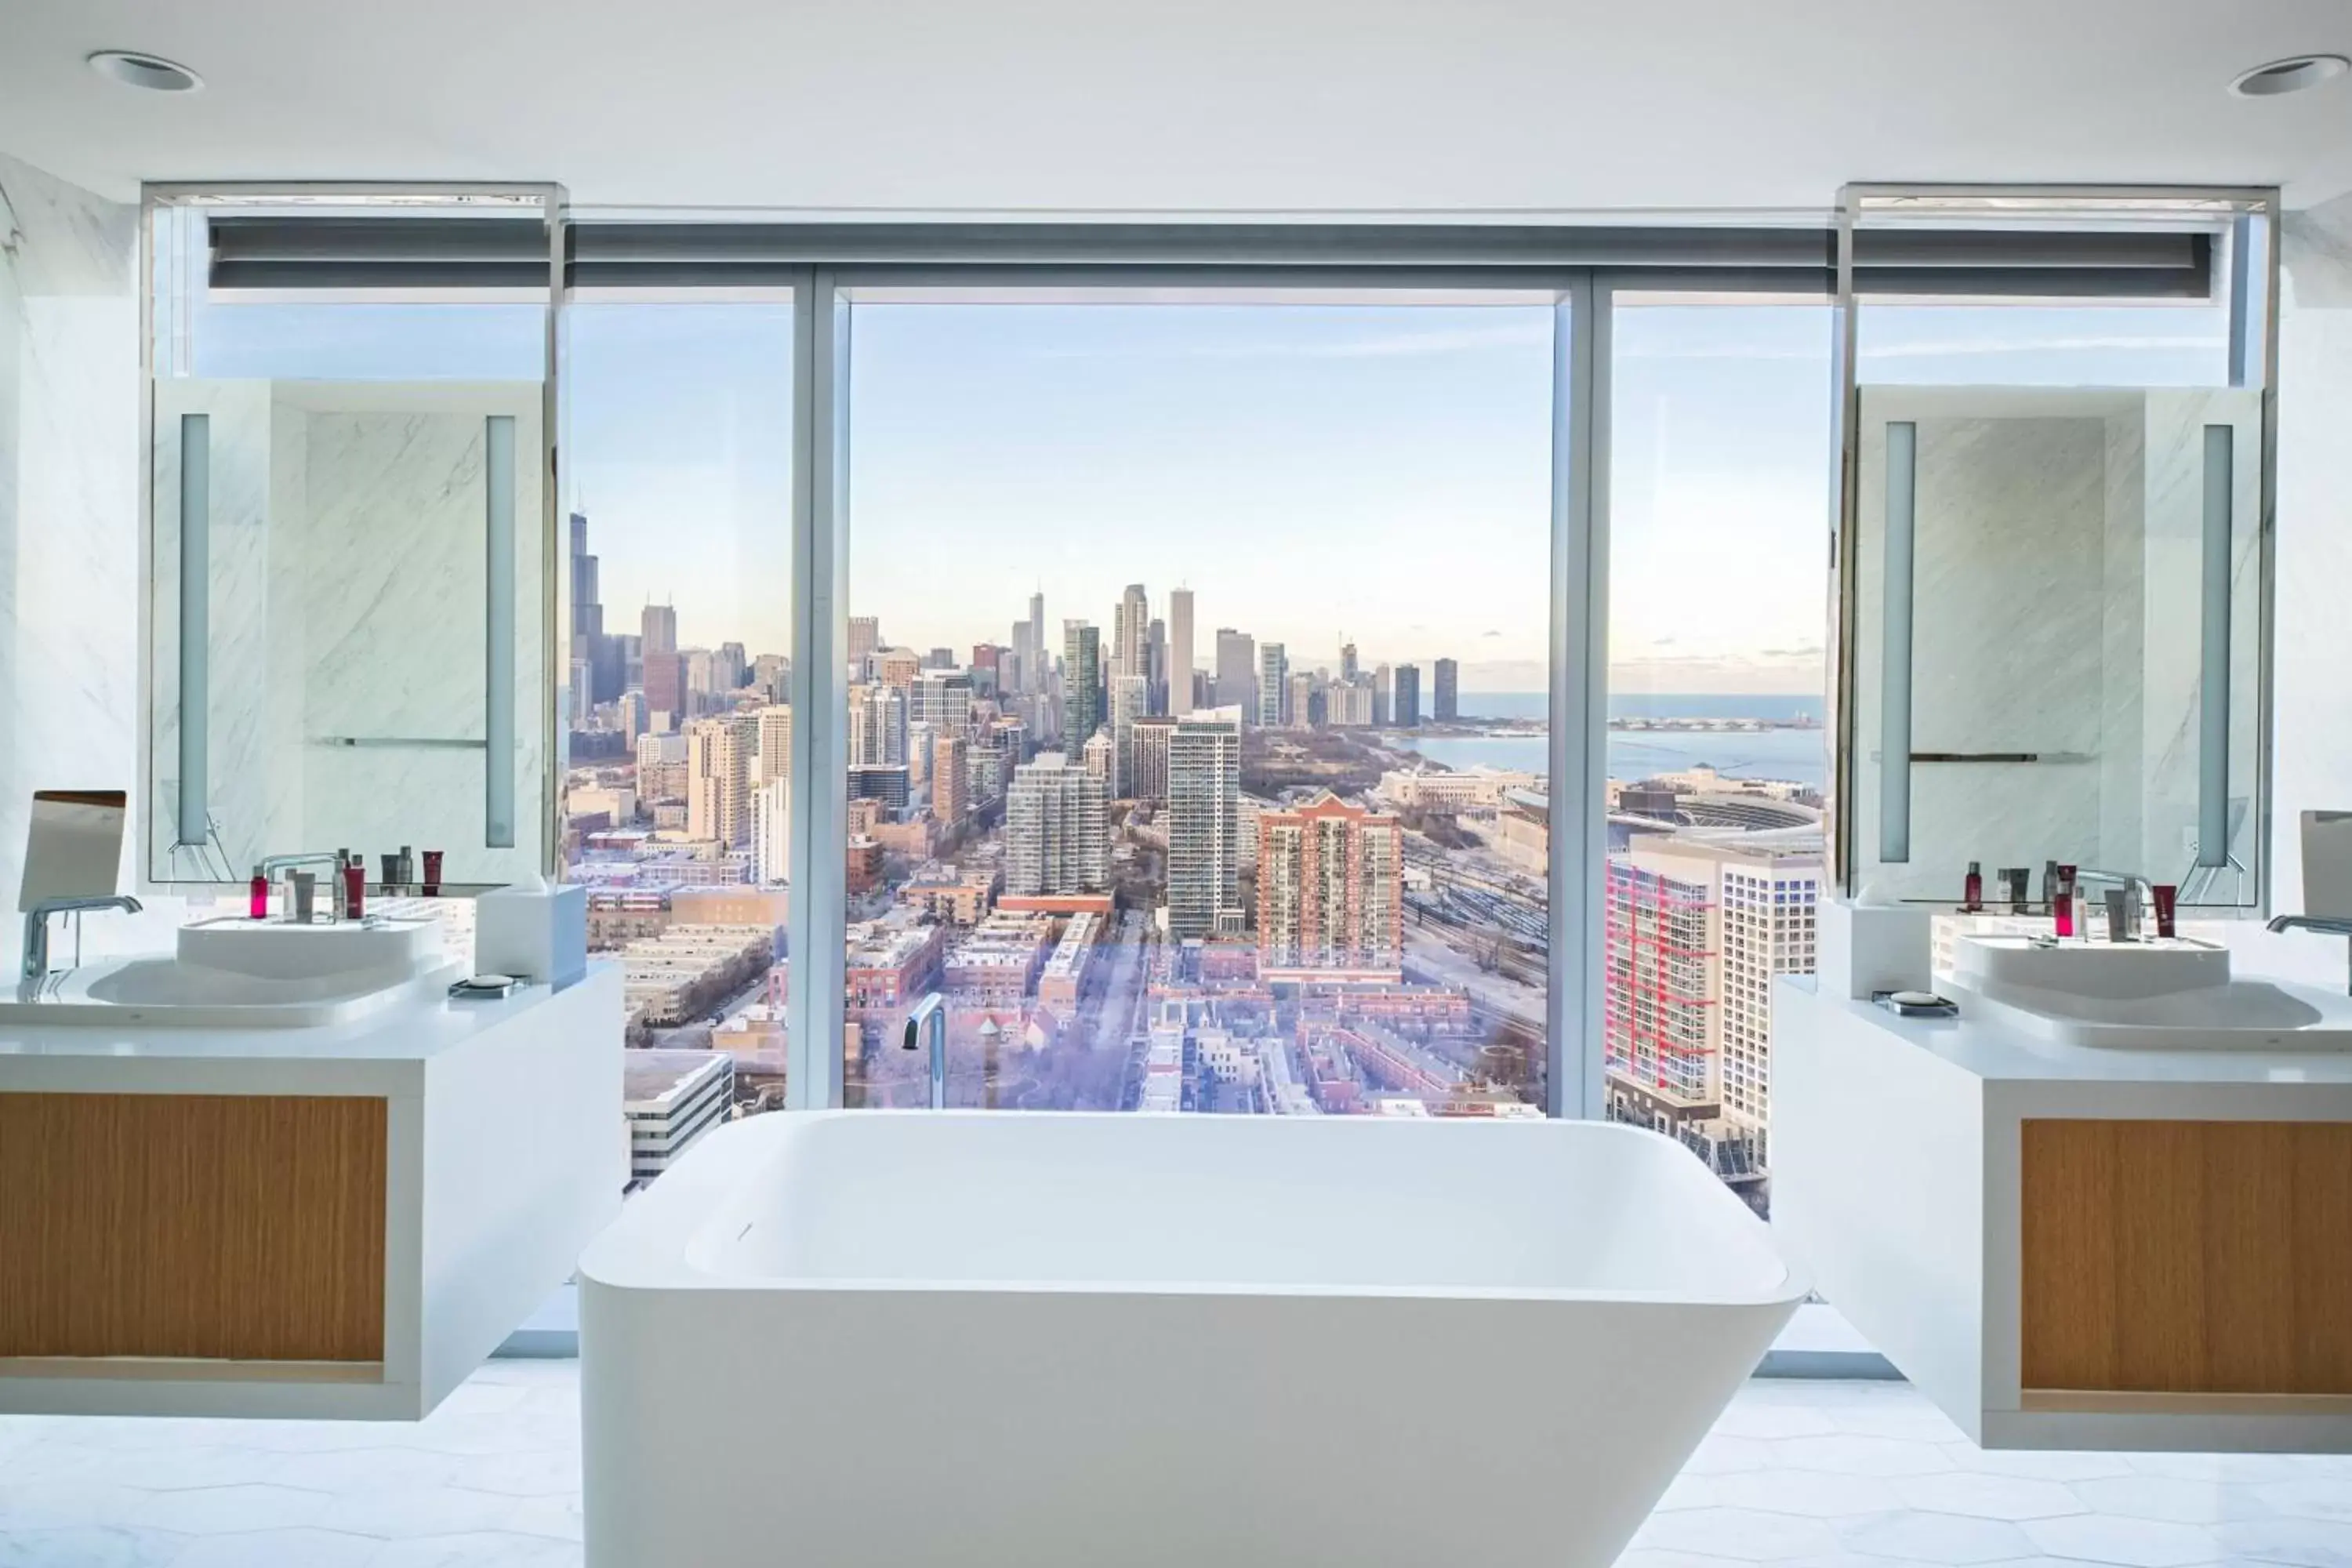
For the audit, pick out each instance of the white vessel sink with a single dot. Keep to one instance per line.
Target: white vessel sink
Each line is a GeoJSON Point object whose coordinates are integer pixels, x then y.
{"type": "Point", "coordinates": [246, 974]}
{"type": "Point", "coordinates": [2169, 994]}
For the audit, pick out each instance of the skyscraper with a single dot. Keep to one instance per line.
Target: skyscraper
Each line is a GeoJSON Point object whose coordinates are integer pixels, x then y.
{"type": "Point", "coordinates": [1347, 661]}
{"type": "Point", "coordinates": [1082, 687]}
{"type": "Point", "coordinates": [1204, 776]}
{"type": "Point", "coordinates": [658, 630]}
{"type": "Point", "coordinates": [941, 699]}
{"type": "Point", "coordinates": [1180, 651]}
{"type": "Point", "coordinates": [772, 831]}
{"type": "Point", "coordinates": [775, 743]}
{"type": "Point", "coordinates": [1148, 741]}
{"type": "Point", "coordinates": [1055, 829]}
{"type": "Point", "coordinates": [951, 764]}
{"type": "Point", "coordinates": [1446, 698]}
{"type": "Point", "coordinates": [1130, 634]}
{"type": "Point", "coordinates": [865, 636]}
{"type": "Point", "coordinates": [1272, 685]}
{"type": "Point", "coordinates": [1331, 891]}
{"type": "Point", "coordinates": [1408, 697]}
{"type": "Point", "coordinates": [719, 754]}
{"type": "Point", "coordinates": [1383, 693]}
{"type": "Point", "coordinates": [878, 727]}
{"type": "Point", "coordinates": [1302, 697]}
{"type": "Point", "coordinates": [1130, 700]}
{"type": "Point", "coordinates": [590, 647]}
{"type": "Point", "coordinates": [1238, 672]}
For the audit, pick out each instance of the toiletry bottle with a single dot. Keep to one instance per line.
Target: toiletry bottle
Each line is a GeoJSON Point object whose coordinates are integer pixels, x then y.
{"type": "Point", "coordinates": [1972, 898]}
{"type": "Point", "coordinates": [355, 888]}
{"type": "Point", "coordinates": [2118, 916]}
{"type": "Point", "coordinates": [2061, 904]}
{"type": "Point", "coordinates": [2019, 878]}
{"type": "Point", "coordinates": [432, 873]}
{"type": "Point", "coordinates": [2050, 885]}
{"type": "Point", "coordinates": [2168, 906]}
{"type": "Point", "coordinates": [390, 876]}
{"type": "Point", "coordinates": [305, 893]}
{"type": "Point", "coordinates": [256, 901]}
{"type": "Point", "coordinates": [407, 869]}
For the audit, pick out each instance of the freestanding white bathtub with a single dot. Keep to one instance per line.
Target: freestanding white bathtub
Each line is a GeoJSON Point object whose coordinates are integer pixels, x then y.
{"type": "Point", "coordinates": [918, 1339]}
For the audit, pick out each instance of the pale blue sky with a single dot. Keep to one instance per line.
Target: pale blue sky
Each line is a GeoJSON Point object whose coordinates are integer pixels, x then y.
{"type": "Point", "coordinates": [1380, 470]}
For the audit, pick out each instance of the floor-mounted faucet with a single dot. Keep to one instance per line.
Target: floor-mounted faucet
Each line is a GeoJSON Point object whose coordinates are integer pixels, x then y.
{"type": "Point", "coordinates": [35, 966]}
{"type": "Point", "coordinates": [2328, 925]}
{"type": "Point", "coordinates": [930, 1014]}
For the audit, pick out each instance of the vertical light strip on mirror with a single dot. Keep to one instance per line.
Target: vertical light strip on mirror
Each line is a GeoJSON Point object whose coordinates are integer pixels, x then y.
{"type": "Point", "coordinates": [195, 626]}
{"type": "Point", "coordinates": [2213, 654]}
{"type": "Point", "coordinates": [499, 660]}
{"type": "Point", "coordinates": [1894, 683]}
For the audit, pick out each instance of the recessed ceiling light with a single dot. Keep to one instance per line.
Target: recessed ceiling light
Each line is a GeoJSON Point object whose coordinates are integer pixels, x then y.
{"type": "Point", "coordinates": [153, 72]}
{"type": "Point", "coordinates": [2289, 75]}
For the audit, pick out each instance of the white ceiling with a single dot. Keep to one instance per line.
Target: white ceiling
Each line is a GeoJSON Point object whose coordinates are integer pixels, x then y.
{"type": "Point", "coordinates": [1336, 106]}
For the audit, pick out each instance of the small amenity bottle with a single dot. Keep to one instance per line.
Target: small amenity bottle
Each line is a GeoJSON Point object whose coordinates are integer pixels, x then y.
{"type": "Point", "coordinates": [256, 900]}
{"type": "Point", "coordinates": [2168, 906]}
{"type": "Point", "coordinates": [1972, 898]}
{"type": "Point", "coordinates": [355, 889]}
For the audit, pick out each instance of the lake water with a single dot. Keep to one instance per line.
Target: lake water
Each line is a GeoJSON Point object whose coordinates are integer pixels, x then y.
{"type": "Point", "coordinates": [1801, 755]}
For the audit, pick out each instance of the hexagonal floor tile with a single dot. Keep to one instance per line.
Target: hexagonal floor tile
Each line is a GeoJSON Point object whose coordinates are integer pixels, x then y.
{"type": "Point", "coordinates": [1849, 1455]}
{"type": "Point", "coordinates": [2309, 1500]}
{"type": "Point", "coordinates": [1983, 1496]}
{"type": "Point", "coordinates": [281, 1549]}
{"type": "Point", "coordinates": [489, 1549]}
{"type": "Point", "coordinates": [220, 1511]}
{"type": "Point", "coordinates": [2173, 1500]}
{"type": "Point", "coordinates": [1816, 1494]}
{"type": "Point", "coordinates": [1747, 1534]}
{"type": "Point", "coordinates": [2291, 1543]}
{"type": "Point", "coordinates": [1936, 1538]}
{"type": "Point", "coordinates": [102, 1546]}
{"type": "Point", "coordinates": [2124, 1542]}
{"type": "Point", "coordinates": [397, 1514]}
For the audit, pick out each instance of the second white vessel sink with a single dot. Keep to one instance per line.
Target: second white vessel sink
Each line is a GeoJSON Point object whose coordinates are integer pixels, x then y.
{"type": "Point", "coordinates": [229, 973]}
{"type": "Point", "coordinates": [2165, 995]}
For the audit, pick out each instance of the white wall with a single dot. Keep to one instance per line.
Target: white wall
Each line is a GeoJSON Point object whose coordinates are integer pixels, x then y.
{"type": "Point", "coordinates": [69, 500]}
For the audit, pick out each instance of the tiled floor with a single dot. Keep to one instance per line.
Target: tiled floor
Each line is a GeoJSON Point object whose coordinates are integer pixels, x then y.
{"type": "Point", "coordinates": [1806, 1475]}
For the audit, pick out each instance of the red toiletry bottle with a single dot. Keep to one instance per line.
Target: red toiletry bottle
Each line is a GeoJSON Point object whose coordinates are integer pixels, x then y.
{"type": "Point", "coordinates": [355, 888]}
{"type": "Point", "coordinates": [1974, 898]}
{"type": "Point", "coordinates": [256, 901]}
{"type": "Point", "coordinates": [432, 873]}
{"type": "Point", "coordinates": [2168, 905]}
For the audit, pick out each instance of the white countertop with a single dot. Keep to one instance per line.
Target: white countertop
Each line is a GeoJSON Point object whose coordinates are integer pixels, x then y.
{"type": "Point", "coordinates": [376, 1053]}
{"type": "Point", "coordinates": [1998, 1054]}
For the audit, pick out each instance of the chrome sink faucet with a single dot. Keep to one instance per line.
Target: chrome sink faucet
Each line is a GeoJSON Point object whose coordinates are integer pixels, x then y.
{"type": "Point", "coordinates": [35, 966]}
{"type": "Point", "coordinates": [930, 1017]}
{"type": "Point", "coordinates": [2326, 925]}
{"type": "Point", "coordinates": [2133, 885]}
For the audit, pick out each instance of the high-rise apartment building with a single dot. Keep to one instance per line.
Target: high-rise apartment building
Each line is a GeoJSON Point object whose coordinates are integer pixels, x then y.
{"type": "Point", "coordinates": [661, 767]}
{"type": "Point", "coordinates": [1446, 696]}
{"type": "Point", "coordinates": [775, 724]}
{"type": "Point", "coordinates": [665, 685]}
{"type": "Point", "coordinates": [878, 727]}
{"type": "Point", "coordinates": [1180, 651]}
{"type": "Point", "coordinates": [1407, 706]}
{"type": "Point", "coordinates": [1383, 694]}
{"type": "Point", "coordinates": [1097, 757]}
{"type": "Point", "coordinates": [942, 699]}
{"type": "Point", "coordinates": [719, 763]}
{"type": "Point", "coordinates": [1205, 828]}
{"type": "Point", "coordinates": [730, 667]}
{"type": "Point", "coordinates": [896, 666]}
{"type": "Point", "coordinates": [1347, 661]}
{"type": "Point", "coordinates": [1236, 677]}
{"type": "Point", "coordinates": [772, 832]}
{"type": "Point", "coordinates": [865, 636]}
{"type": "Point", "coordinates": [950, 783]}
{"type": "Point", "coordinates": [1056, 832]}
{"type": "Point", "coordinates": [1699, 923]}
{"type": "Point", "coordinates": [1082, 687]}
{"type": "Point", "coordinates": [1330, 893]}
{"type": "Point", "coordinates": [1155, 657]}
{"type": "Point", "coordinates": [1272, 685]}
{"type": "Point", "coordinates": [1130, 701]}
{"type": "Point", "coordinates": [1147, 752]}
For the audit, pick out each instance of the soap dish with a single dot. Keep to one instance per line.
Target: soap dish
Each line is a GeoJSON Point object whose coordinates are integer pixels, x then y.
{"type": "Point", "coordinates": [1917, 1003]}
{"type": "Point", "coordinates": [483, 987]}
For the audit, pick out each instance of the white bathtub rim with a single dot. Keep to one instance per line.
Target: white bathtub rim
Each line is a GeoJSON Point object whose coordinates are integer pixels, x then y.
{"type": "Point", "coordinates": [653, 1245]}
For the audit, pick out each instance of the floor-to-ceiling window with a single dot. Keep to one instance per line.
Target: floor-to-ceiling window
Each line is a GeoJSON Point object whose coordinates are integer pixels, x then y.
{"type": "Point", "coordinates": [1196, 701]}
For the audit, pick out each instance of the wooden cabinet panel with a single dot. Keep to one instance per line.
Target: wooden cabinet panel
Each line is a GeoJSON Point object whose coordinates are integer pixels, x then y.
{"type": "Point", "coordinates": [2187, 1256]}
{"type": "Point", "coordinates": [241, 1226]}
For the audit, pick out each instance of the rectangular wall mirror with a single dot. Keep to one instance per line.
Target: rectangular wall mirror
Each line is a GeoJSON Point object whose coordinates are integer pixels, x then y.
{"type": "Point", "coordinates": [348, 626]}
{"type": "Point", "coordinates": [2057, 639]}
